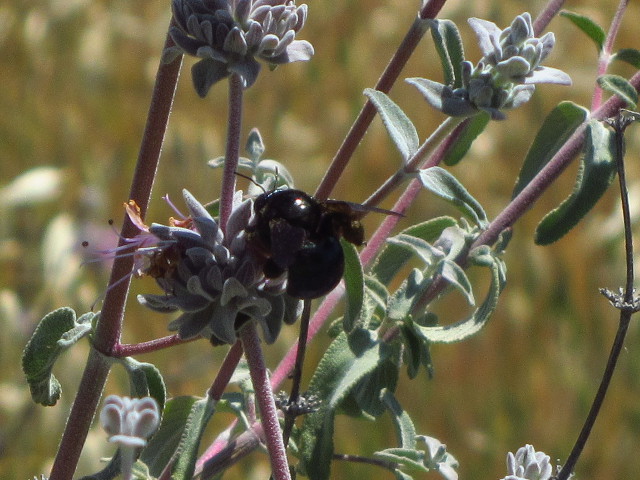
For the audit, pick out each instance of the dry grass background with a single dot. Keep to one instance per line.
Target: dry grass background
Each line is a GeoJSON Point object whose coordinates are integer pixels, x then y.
{"type": "Point", "coordinates": [76, 78]}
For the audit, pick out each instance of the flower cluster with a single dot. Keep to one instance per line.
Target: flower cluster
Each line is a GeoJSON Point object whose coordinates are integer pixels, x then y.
{"type": "Point", "coordinates": [506, 76]}
{"type": "Point", "coordinates": [228, 35]}
{"type": "Point", "coordinates": [527, 464]}
{"type": "Point", "coordinates": [212, 278]}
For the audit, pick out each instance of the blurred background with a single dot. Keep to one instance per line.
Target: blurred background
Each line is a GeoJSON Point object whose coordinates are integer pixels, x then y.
{"type": "Point", "coordinates": [76, 81]}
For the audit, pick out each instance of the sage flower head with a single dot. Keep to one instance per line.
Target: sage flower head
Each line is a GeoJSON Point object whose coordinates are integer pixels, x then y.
{"type": "Point", "coordinates": [129, 421]}
{"type": "Point", "coordinates": [527, 464]}
{"type": "Point", "coordinates": [229, 36]}
{"type": "Point", "coordinates": [214, 279]}
{"type": "Point", "coordinates": [515, 55]}
{"type": "Point", "coordinates": [506, 76]}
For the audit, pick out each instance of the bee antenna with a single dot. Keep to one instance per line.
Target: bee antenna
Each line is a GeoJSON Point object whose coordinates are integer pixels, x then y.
{"type": "Point", "coordinates": [251, 180]}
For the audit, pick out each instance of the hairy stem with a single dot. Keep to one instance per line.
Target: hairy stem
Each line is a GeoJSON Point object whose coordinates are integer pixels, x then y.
{"type": "Point", "coordinates": [129, 350]}
{"type": "Point", "coordinates": [234, 355]}
{"type": "Point", "coordinates": [264, 394]}
{"type": "Point", "coordinates": [109, 327]}
{"type": "Point", "coordinates": [233, 149]}
{"type": "Point", "coordinates": [607, 48]}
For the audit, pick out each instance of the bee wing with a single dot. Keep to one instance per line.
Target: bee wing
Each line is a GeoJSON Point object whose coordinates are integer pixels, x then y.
{"type": "Point", "coordinates": [351, 208]}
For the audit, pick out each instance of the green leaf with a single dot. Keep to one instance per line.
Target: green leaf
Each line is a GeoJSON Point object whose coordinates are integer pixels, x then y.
{"type": "Point", "coordinates": [464, 329]}
{"type": "Point", "coordinates": [140, 471]}
{"type": "Point", "coordinates": [165, 441]}
{"type": "Point", "coordinates": [55, 333]}
{"type": "Point", "coordinates": [401, 130]}
{"type": "Point", "coordinates": [201, 412]}
{"type": "Point", "coordinates": [463, 136]}
{"type": "Point", "coordinates": [375, 305]}
{"type": "Point", "coordinates": [405, 429]}
{"type": "Point", "coordinates": [455, 275]}
{"type": "Point", "coordinates": [597, 171]}
{"type": "Point", "coordinates": [416, 345]}
{"type": "Point", "coordinates": [621, 87]}
{"type": "Point", "coordinates": [403, 299]}
{"type": "Point", "coordinates": [559, 125]}
{"type": "Point", "coordinates": [412, 350]}
{"type": "Point", "coordinates": [347, 360]}
{"type": "Point", "coordinates": [317, 444]}
{"type": "Point", "coordinates": [255, 146]}
{"type": "Point", "coordinates": [145, 380]}
{"type": "Point", "coordinates": [367, 392]}
{"type": "Point", "coordinates": [588, 26]}
{"type": "Point", "coordinates": [405, 457]}
{"type": "Point", "coordinates": [628, 55]}
{"type": "Point", "coordinates": [354, 284]}
{"type": "Point", "coordinates": [446, 186]}
{"type": "Point", "coordinates": [394, 257]}
{"type": "Point", "coordinates": [421, 248]}
{"type": "Point", "coordinates": [448, 43]}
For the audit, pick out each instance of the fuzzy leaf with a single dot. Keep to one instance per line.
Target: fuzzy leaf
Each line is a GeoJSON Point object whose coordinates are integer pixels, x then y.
{"type": "Point", "coordinates": [597, 171]}
{"type": "Point", "coordinates": [375, 304]}
{"type": "Point", "coordinates": [199, 416]}
{"type": "Point", "coordinates": [145, 380]}
{"type": "Point", "coordinates": [206, 73]}
{"type": "Point", "coordinates": [443, 98]}
{"type": "Point", "coordinates": [628, 55]}
{"type": "Point", "coordinates": [165, 441]}
{"type": "Point", "coordinates": [347, 360]}
{"type": "Point", "coordinates": [405, 457]}
{"type": "Point", "coordinates": [446, 186]}
{"type": "Point", "coordinates": [405, 429]}
{"type": "Point", "coordinates": [401, 302]}
{"type": "Point", "coordinates": [448, 43]}
{"type": "Point", "coordinates": [354, 284]}
{"type": "Point", "coordinates": [401, 130]}
{"type": "Point", "coordinates": [455, 275]}
{"type": "Point", "coordinates": [255, 146]}
{"type": "Point", "coordinates": [588, 26]}
{"type": "Point", "coordinates": [463, 329]}
{"type": "Point", "coordinates": [367, 393]}
{"type": "Point", "coordinates": [423, 249]}
{"type": "Point", "coordinates": [620, 86]}
{"type": "Point", "coordinates": [463, 136]}
{"type": "Point", "coordinates": [56, 332]}
{"type": "Point", "coordinates": [556, 129]}
{"type": "Point", "coordinates": [394, 256]}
